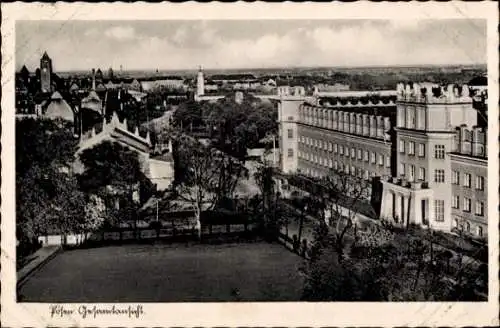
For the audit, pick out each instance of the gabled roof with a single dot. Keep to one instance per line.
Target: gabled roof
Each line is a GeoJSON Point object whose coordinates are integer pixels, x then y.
{"type": "Point", "coordinates": [59, 108]}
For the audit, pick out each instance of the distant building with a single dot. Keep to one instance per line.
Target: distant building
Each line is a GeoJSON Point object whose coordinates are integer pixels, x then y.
{"type": "Point", "coordinates": [200, 83]}
{"type": "Point", "coordinates": [330, 88]}
{"type": "Point", "coordinates": [46, 73]}
{"type": "Point", "coordinates": [111, 74]}
{"type": "Point", "coordinates": [99, 76]}
{"type": "Point", "coordinates": [238, 97]}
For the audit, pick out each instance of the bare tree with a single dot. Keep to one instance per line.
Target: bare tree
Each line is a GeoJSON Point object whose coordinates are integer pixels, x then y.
{"type": "Point", "coordinates": [340, 195]}
{"type": "Point", "coordinates": [343, 194]}
{"type": "Point", "coordinates": [208, 176]}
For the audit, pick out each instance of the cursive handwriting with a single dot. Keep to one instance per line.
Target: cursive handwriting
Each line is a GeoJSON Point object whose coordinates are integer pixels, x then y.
{"type": "Point", "coordinates": [94, 311]}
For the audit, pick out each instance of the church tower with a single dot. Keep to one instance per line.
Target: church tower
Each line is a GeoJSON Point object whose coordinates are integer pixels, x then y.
{"type": "Point", "coordinates": [200, 83]}
{"type": "Point", "coordinates": [46, 73]}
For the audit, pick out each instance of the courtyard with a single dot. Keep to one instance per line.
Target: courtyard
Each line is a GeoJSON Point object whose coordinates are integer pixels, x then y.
{"type": "Point", "coordinates": [255, 271]}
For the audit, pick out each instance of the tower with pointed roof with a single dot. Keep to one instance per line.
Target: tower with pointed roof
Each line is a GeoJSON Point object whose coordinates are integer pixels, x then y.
{"type": "Point", "coordinates": [200, 83]}
{"type": "Point", "coordinates": [46, 73]}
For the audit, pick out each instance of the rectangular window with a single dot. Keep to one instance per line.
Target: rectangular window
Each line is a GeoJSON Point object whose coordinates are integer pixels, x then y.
{"type": "Point", "coordinates": [336, 165]}
{"type": "Point", "coordinates": [467, 204]}
{"type": "Point", "coordinates": [366, 155]}
{"type": "Point", "coordinates": [455, 203]}
{"type": "Point", "coordinates": [421, 150]}
{"type": "Point", "coordinates": [467, 180]}
{"type": "Point", "coordinates": [290, 133]}
{"type": "Point", "coordinates": [421, 174]}
{"type": "Point", "coordinates": [479, 182]}
{"type": "Point", "coordinates": [290, 152]}
{"type": "Point", "coordinates": [439, 210]}
{"type": "Point", "coordinates": [353, 170]}
{"type": "Point", "coordinates": [402, 169]}
{"type": "Point", "coordinates": [381, 160]}
{"type": "Point", "coordinates": [330, 146]}
{"type": "Point", "coordinates": [401, 146]}
{"type": "Point", "coordinates": [412, 172]}
{"type": "Point", "coordinates": [335, 148]}
{"type": "Point", "coordinates": [479, 208]}
{"type": "Point", "coordinates": [360, 154]}
{"type": "Point", "coordinates": [455, 177]}
{"type": "Point", "coordinates": [388, 161]}
{"type": "Point", "coordinates": [373, 159]}
{"type": "Point", "coordinates": [411, 148]}
{"type": "Point", "coordinates": [439, 151]}
{"type": "Point", "coordinates": [341, 150]}
{"type": "Point", "coordinates": [439, 176]}
{"type": "Point", "coordinates": [353, 152]}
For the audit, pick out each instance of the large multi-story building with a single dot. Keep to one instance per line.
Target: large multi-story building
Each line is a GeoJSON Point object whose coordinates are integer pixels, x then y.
{"type": "Point", "coordinates": [419, 145]}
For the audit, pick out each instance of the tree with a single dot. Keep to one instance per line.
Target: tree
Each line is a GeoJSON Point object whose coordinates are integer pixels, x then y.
{"type": "Point", "coordinates": [342, 194]}
{"type": "Point", "coordinates": [188, 115]}
{"type": "Point", "coordinates": [113, 173]}
{"type": "Point", "coordinates": [200, 179]}
{"type": "Point", "coordinates": [398, 269]}
{"type": "Point", "coordinates": [46, 194]}
{"type": "Point", "coordinates": [209, 175]}
{"type": "Point", "coordinates": [266, 184]}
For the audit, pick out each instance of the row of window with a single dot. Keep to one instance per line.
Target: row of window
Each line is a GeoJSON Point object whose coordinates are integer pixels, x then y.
{"type": "Point", "coordinates": [360, 154]}
{"type": "Point", "coordinates": [340, 167]}
{"type": "Point", "coordinates": [467, 205]}
{"type": "Point", "coordinates": [408, 147]}
{"type": "Point", "coordinates": [467, 227]}
{"type": "Point", "coordinates": [411, 118]}
{"type": "Point", "coordinates": [373, 158]}
{"type": "Point", "coordinates": [467, 180]}
{"type": "Point", "coordinates": [411, 172]}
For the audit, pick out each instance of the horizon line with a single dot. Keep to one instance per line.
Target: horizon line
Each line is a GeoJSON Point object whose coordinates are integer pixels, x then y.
{"type": "Point", "coordinates": [195, 68]}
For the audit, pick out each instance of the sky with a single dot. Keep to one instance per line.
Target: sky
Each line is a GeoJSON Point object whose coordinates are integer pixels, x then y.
{"type": "Point", "coordinates": [219, 44]}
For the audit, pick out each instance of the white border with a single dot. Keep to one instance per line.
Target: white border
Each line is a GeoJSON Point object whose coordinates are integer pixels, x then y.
{"type": "Point", "coordinates": [248, 314]}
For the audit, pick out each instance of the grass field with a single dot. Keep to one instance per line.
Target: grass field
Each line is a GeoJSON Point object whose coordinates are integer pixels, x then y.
{"type": "Point", "coordinates": [168, 273]}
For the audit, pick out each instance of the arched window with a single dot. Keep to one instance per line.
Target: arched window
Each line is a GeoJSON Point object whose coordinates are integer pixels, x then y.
{"type": "Point", "coordinates": [480, 231]}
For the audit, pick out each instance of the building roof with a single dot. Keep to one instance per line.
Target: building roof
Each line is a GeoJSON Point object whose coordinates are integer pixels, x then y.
{"type": "Point", "coordinates": [74, 87]}
{"type": "Point", "coordinates": [59, 108]}
{"type": "Point", "coordinates": [92, 97]}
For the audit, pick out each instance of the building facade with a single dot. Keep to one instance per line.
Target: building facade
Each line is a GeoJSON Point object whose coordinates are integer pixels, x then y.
{"type": "Point", "coordinates": [419, 146]}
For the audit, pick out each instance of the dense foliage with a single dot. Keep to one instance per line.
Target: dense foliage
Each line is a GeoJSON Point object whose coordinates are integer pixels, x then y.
{"type": "Point", "coordinates": [47, 197]}
{"type": "Point", "coordinates": [233, 127]}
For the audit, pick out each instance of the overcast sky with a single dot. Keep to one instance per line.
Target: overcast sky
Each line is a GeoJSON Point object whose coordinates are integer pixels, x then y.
{"type": "Point", "coordinates": [81, 45]}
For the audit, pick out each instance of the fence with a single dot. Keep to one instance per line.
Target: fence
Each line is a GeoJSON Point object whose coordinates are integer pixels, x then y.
{"type": "Point", "coordinates": [149, 234]}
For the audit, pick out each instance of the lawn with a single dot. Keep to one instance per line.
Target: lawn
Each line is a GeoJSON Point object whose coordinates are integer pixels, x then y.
{"type": "Point", "coordinates": [168, 273]}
